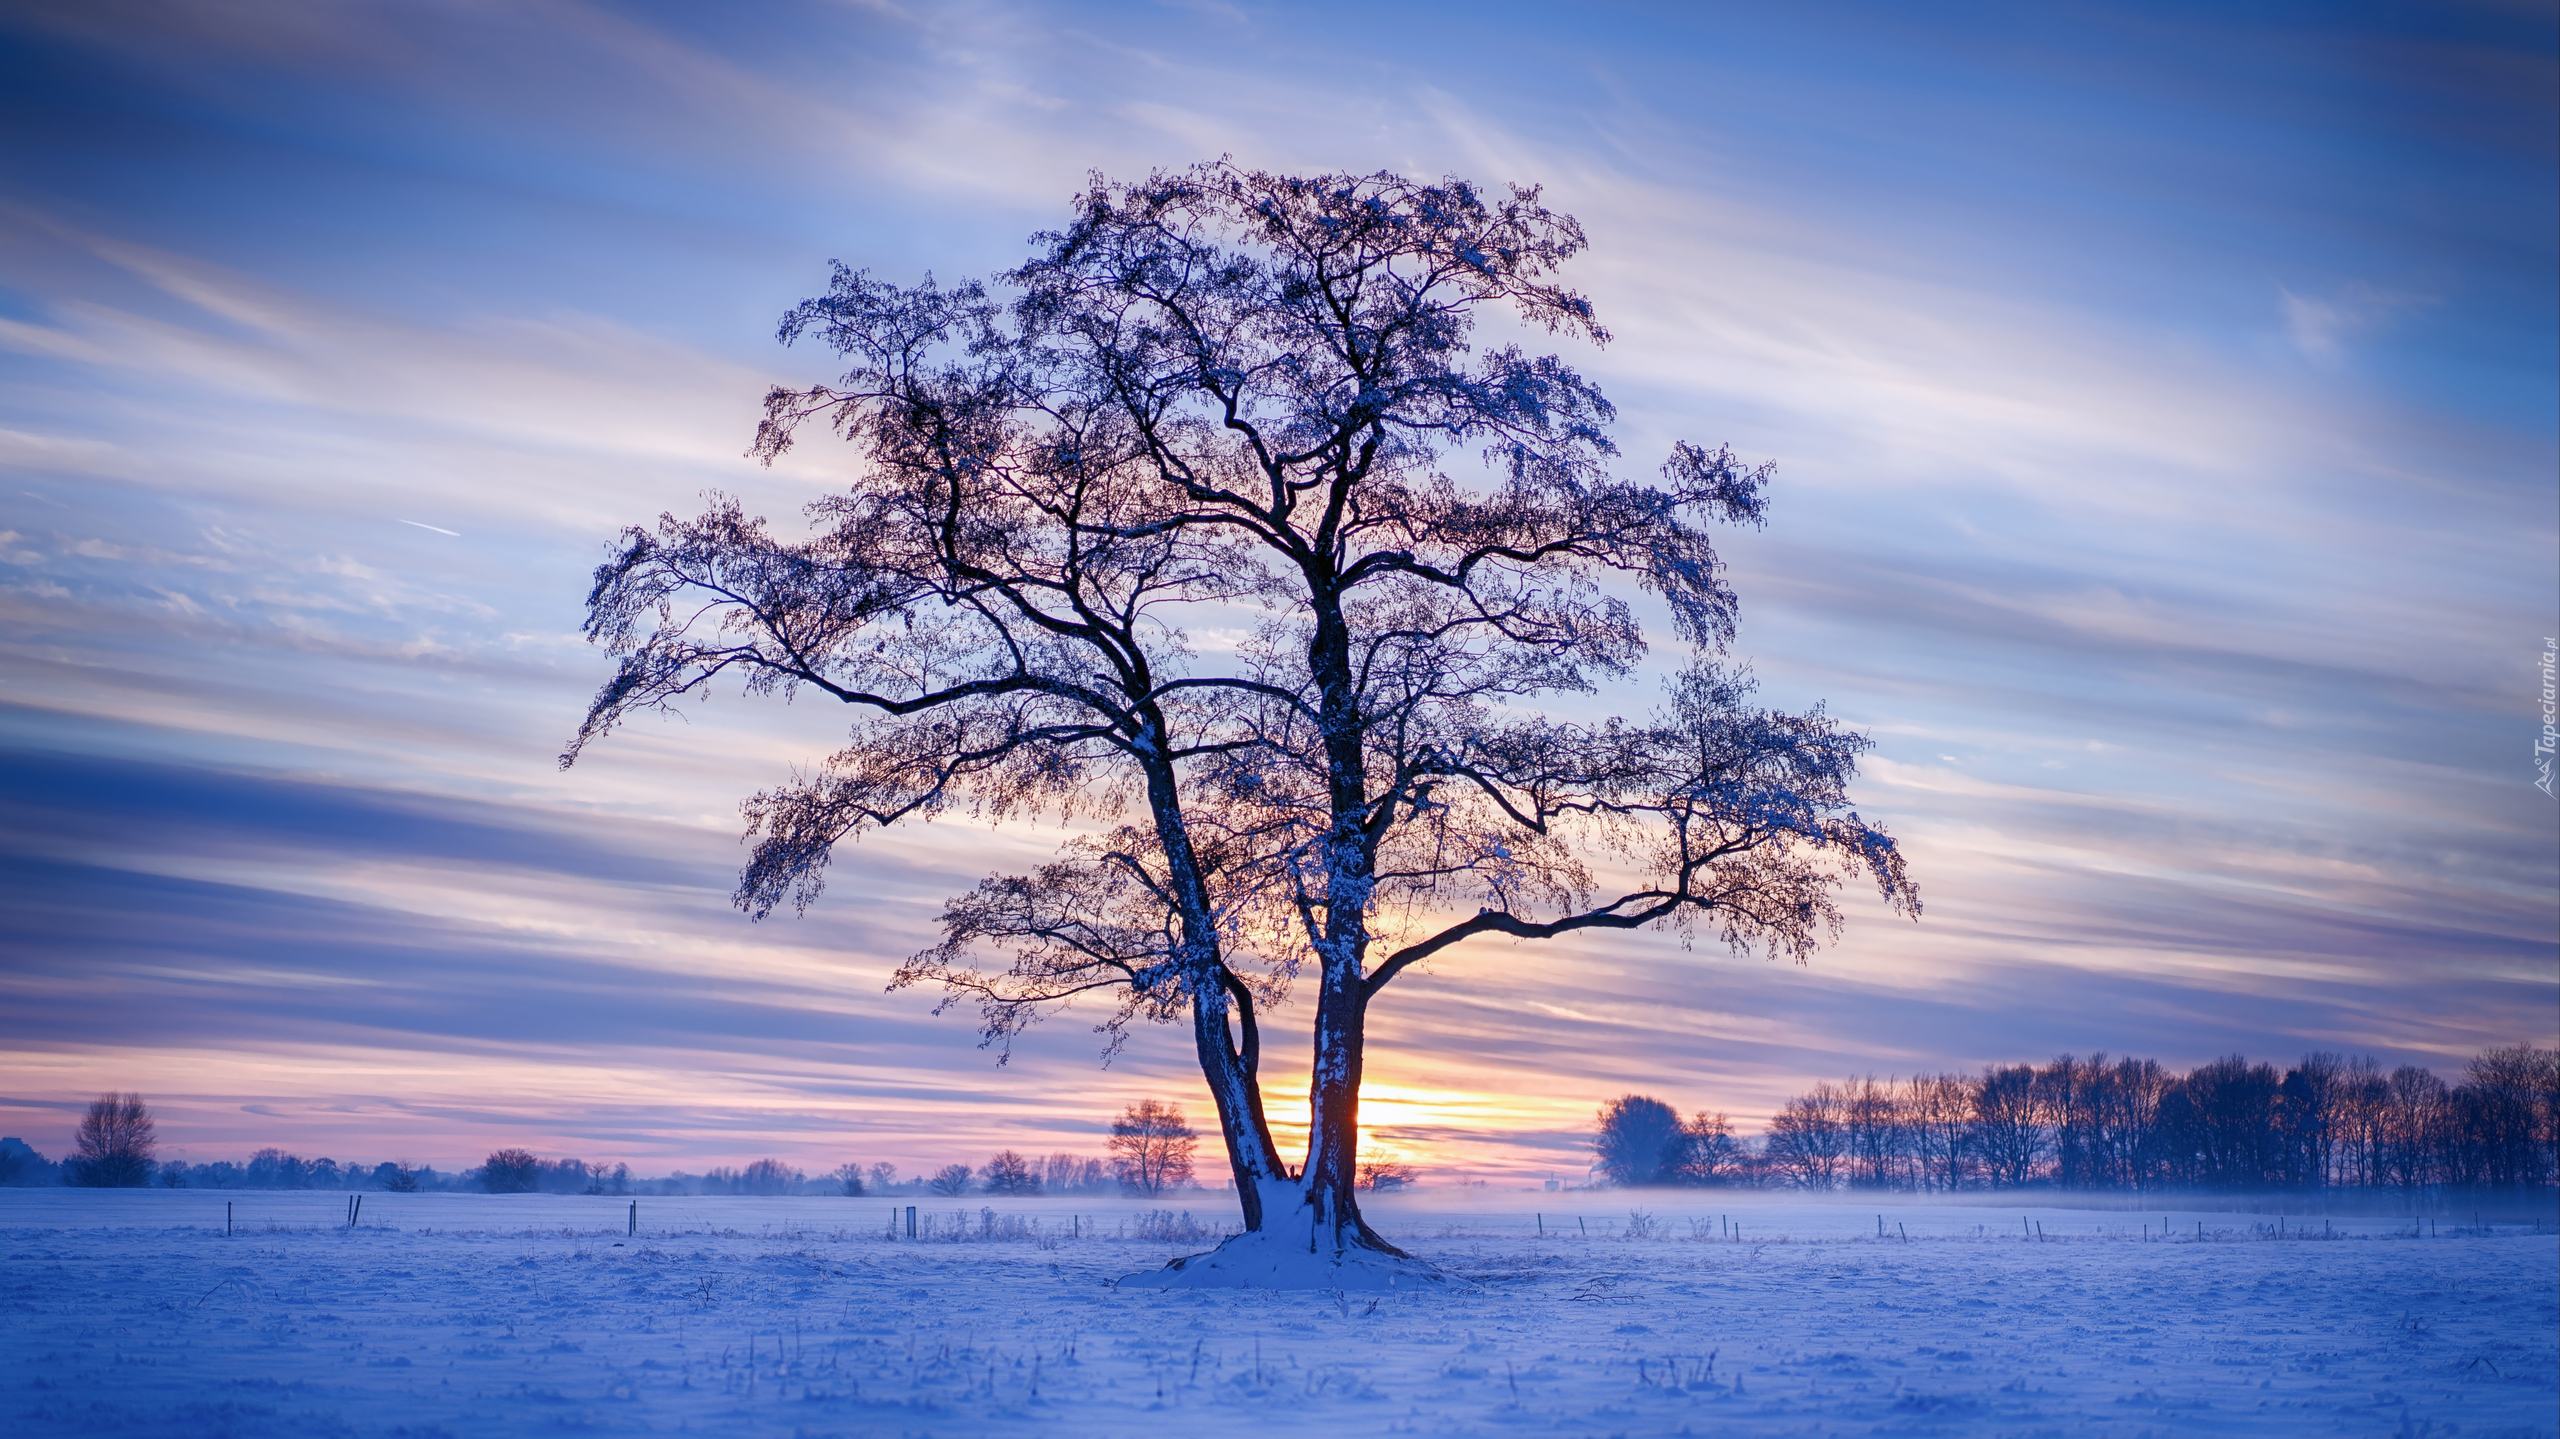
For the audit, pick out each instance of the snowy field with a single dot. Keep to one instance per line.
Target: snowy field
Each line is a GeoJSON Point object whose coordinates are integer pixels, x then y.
{"type": "Point", "coordinates": [473, 1315]}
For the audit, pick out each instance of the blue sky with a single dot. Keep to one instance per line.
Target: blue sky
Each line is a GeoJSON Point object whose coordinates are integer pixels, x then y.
{"type": "Point", "coordinates": [2163, 398]}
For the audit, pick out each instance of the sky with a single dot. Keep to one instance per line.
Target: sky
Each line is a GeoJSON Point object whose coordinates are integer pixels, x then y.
{"type": "Point", "coordinates": [2163, 398]}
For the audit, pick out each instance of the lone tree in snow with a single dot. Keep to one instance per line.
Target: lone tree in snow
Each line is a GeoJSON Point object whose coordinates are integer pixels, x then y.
{"type": "Point", "coordinates": [116, 1142]}
{"type": "Point", "coordinates": [1245, 408]}
{"type": "Point", "coordinates": [1151, 1147]}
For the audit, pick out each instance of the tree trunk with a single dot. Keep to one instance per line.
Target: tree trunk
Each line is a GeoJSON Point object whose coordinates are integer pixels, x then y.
{"type": "Point", "coordinates": [1231, 1069]}
{"type": "Point", "coordinates": [1309, 1234]}
{"type": "Point", "coordinates": [1330, 1184]}
{"type": "Point", "coordinates": [1230, 1065]}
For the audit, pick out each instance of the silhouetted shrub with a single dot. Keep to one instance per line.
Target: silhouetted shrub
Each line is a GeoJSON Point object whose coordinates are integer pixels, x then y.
{"type": "Point", "coordinates": [510, 1171]}
{"type": "Point", "coordinates": [1641, 1142]}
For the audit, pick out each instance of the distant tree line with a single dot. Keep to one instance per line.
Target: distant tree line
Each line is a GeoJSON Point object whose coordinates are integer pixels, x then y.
{"type": "Point", "coordinates": [2326, 1123]}
{"type": "Point", "coordinates": [1150, 1145]}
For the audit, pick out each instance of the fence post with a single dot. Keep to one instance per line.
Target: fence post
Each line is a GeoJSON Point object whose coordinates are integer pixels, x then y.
{"type": "Point", "coordinates": [634, 1230]}
{"type": "Point", "coordinates": [911, 1221]}
{"type": "Point", "coordinates": [226, 1219]}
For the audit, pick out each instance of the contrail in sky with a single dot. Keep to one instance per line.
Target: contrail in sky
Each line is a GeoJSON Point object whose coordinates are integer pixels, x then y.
{"type": "Point", "coordinates": [439, 529]}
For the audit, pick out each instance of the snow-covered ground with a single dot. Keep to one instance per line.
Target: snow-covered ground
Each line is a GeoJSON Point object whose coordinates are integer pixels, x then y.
{"type": "Point", "coordinates": [471, 1315]}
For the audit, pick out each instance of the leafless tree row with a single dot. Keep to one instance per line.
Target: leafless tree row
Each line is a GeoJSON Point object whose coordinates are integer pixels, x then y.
{"type": "Point", "coordinates": [2129, 1124]}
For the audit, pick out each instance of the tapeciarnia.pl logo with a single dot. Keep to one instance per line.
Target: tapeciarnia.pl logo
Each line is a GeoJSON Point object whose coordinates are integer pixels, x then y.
{"type": "Point", "coordinates": [2542, 746]}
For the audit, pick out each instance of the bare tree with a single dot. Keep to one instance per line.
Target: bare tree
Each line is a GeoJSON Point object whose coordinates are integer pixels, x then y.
{"type": "Point", "coordinates": [2127, 1108]}
{"type": "Point", "coordinates": [1151, 1147]}
{"type": "Point", "coordinates": [950, 1181]}
{"type": "Point", "coordinates": [1808, 1138]}
{"type": "Point", "coordinates": [1010, 1173]}
{"type": "Point", "coordinates": [511, 1171]}
{"type": "Point", "coordinates": [2413, 1125]}
{"type": "Point", "coordinates": [1871, 1124]}
{"type": "Point", "coordinates": [116, 1142]}
{"type": "Point", "coordinates": [1069, 1173]}
{"type": "Point", "coordinates": [1247, 401]}
{"type": "Point", "coordinates": [848, 1177]}
{"type": "Point", "coordinates": [1938, 1109]}
{"type": "Point", "coordinates": [1385, 1175]}
{"type": "Point", "coordinates": [768, 1176]}
{"type": "Point", "coordinates": [2236, 1141]}
{"type": "Point", "coordinates": [2012, 1124]}
{"type": "Point", "coordinates": [1712, 1155]}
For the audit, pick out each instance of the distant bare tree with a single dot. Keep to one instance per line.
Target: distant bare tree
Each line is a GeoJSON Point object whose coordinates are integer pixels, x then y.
{"type": "Point", "coordinates": [2413, 1117]}
{"type": "Point", "coordinates": [1871, 1125]}
{"type": "Point", "coordinates": [1151, 1147]}
{"type": "Point", "coordinates": [117, 1140]}
{"type": "Point", "coordinates": [950, 1181]}
{"type": "Point", "coordinates": [2127, 1108]}
{"type": "Point", "coordinates": [510, 1171]}
{"type": "Point", "coordinates": [1380, 1175]}
{"type": "Point", "coordinates": [768, 1176]}
{"type": "Point", "coordinates": [1938, 1110]}
{"type": "Point", "coordinates": [848, 1175]}
{"type": "Point", "coordinates": [2012, 1126]}
{"type": "Point", "coordinates": [1068, 1173]}
{"type": "Point", "coordinates": [1010, 1173]}
{"type": "Point", "coordinates": [1713, 1156]}
{"type": "Point", "coordinates": [1807, 1139]}
{"type": "Point", "coordinates": [2234, 1107]}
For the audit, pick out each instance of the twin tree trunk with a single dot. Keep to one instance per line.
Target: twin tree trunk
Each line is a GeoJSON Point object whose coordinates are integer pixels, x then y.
{"type": "Point", "coordinates": [1325, 1198]}
{"type": "Point", "coordinates": [1323, 1195]}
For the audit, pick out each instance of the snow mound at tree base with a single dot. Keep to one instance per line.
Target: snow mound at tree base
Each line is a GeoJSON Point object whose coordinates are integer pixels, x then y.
{"type": "Point", "coordinates": [1271, 1261]}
